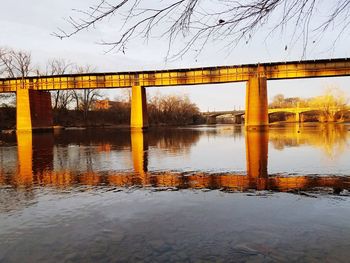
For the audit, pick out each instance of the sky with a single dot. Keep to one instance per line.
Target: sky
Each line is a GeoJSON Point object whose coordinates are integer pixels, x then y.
{"type": "Point", "coordinates": [29, 25]}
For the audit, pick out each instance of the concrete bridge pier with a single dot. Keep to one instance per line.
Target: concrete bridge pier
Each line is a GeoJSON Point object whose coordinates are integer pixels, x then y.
{"type": "Point", "coordinates": [34, 110]}
{"type": "Point", "coordinates": [139, 115]}
{"type": "Point", "coordinates": [256, 112]}
{"type": "Point", "coordinates": [238, 119]}
{"type": "Point", "coordinates": [211, 120]}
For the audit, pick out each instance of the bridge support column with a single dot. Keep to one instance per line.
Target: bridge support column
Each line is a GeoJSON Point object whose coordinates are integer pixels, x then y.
{"type": "Point", "coordinates": [238, 119]}
{"type": "Point", "coordinates": [211, 120]}
{"type": "Point", "coordinates": [33, 110]}
{"type": "Point", "coordinates": [256, 113]}
{"type": "Point", "coordinates": [297, 117]}
{"type": "Point", "coordinates": [139, 115]}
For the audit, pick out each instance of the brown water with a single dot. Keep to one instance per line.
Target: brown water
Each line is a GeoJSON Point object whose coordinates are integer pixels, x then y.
{"type": "Point", "coordinates": [210, 193]}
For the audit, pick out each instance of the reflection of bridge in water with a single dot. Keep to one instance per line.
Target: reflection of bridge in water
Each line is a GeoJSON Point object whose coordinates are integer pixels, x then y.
{"type": "Point", "coordinates": [32, 151]}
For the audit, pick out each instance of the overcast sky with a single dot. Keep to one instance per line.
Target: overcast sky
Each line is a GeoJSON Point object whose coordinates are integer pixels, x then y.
{"type": "Point", "coordinates": [29, 24]}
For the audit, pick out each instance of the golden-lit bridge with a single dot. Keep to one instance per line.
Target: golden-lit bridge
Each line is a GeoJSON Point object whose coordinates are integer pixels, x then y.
{"type": "Point", "coordinates": [34, 103]}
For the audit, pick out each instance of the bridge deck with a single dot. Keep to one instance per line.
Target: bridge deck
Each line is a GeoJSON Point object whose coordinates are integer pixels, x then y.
{"type": "Point", "coordinates": [191, 76]}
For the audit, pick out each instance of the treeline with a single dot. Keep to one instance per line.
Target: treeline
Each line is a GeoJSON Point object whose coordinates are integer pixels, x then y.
{"type": "Point", "coordinates": [77, 107]}
{"type": "Point", "coordinates": [162, 110]}
{"type": "Point", "coordinates": [331, 106]}
{"type": "Point", "coordinates": [173, 109]}
{"type": "Point", "coordinates": [15, 64]}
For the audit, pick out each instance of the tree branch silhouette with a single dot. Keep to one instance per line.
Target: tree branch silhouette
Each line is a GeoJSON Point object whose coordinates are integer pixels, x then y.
{"type": "Point", "coordinates": [198, 21]}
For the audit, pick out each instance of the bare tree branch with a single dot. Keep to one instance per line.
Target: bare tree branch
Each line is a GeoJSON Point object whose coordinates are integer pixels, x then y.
{"type": "Point", "coordinates": [198, 21]}
{"type": "Point", "coordinates": [85, 98]}
{"type": "Point", "coordinates": [15, 63]}
{"type": "Point", "coordinates": [60, 98]}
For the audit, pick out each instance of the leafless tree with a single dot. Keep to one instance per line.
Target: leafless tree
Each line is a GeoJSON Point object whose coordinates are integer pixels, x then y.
{"type": "Point", "coordinates": [172, 109]}
{"type": "Point", "coordinates": [2, 65]}
{"type": "Point", "coordinates": [198, 21]}
{"type": "Point", "coordinates": [14, 64]}
{"type": "Point", "coordinates": [58, 67]}
{"type": "Point", "coordinates": [60, 98]}
{"type": "Point", "coordinates": [7, 100]}
{"type": "Point", "coordinates": [85, 98]}
{"type": "Point", "coordinates": [332, 101]}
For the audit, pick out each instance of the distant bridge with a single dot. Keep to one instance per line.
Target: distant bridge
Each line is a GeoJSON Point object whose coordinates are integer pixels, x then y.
{"type": "Point", "coordinates": [34, 102]}
{"type": "Point", "coordinates": [221, 113]}
{"type": "Point", "coordinates": [298, 111]}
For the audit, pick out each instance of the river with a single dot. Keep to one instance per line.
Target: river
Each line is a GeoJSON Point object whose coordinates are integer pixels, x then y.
{"type": "Point", "coordinates": [199, 194]}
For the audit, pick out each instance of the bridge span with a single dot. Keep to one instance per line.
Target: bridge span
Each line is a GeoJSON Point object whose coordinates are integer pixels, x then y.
{"type": "Point", "coordinates": [297, 111]}
{"type": "Point", "coordinates": [34, 102]}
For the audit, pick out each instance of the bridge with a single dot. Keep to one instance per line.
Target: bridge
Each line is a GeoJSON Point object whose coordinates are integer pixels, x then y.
{"type": "Point", "coordinates": [34, 102]}
{"type": "Point", "coordinates": [297, 111]}
{"type": "Point", "coordinates": [211, 116]}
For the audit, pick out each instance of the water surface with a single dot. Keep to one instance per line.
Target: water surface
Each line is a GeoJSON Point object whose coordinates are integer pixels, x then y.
{"type": "Point", "coordinates": [210, 193]}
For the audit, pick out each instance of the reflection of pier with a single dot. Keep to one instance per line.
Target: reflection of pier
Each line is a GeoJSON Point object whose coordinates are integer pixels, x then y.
{"type": "Point", "coordinates": [139, 149]}
{"type": "Point", "coordinates": [35, 154]}
{"type": "Point", "coordinates": [256, 178]}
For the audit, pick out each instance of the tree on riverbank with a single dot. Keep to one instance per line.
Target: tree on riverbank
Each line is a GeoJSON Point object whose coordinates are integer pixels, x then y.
{"type": "Point", "coordinates": [13, 64]}
{"type": "Point", "coordinates": [173, 109]}
{"type": "Point", "coordinates": [333, 104]}
{"type": "Point", "coordinates": [61, 99]}
{"type": "Point", "coordinates": [279, 101]}
{"type": "Point", "coordinates": [85, 98]}
{"type": "Point", "coordinates": [162, 110]}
